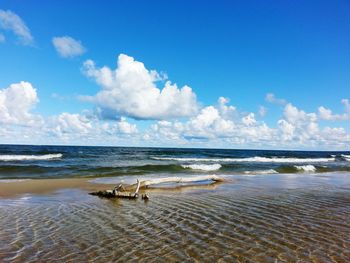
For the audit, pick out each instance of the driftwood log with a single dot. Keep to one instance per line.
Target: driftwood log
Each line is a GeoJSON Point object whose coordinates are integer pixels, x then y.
{"type": "Point", "coordinates": [121, 192]}
{"type": "Point", "coordinates": [146, 183]}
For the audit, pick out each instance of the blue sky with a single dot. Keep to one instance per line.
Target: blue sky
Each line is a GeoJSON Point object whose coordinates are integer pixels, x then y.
{"type": "Point", "coordinates": [242, 50]}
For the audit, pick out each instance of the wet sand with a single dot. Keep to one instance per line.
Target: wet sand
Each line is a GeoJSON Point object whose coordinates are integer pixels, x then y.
{"type": "Point", "coordinates": [277, 218]}
{"type": "Point", "coordinates": [13, 188]}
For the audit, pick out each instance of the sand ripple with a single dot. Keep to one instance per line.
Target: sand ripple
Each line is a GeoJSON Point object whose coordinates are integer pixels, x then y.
{"type": "Point", "coordinates": [287, 226]}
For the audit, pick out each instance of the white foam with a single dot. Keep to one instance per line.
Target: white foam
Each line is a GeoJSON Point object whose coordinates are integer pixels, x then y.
{"type": "Point", "coordinates": [203, 167]}
{"type": "Point", "coordinates": [306, 168]}
{"type": "Point", "coordinates": [346, 156]}
{"type": "Point", "coordinates": [257, 159]}
{"type": "Point", "coordinates": [13, 180]}
{"type": "Point", "coordinates": [15, 157]}
{"type": "Point", "coordinates": [269, 171]}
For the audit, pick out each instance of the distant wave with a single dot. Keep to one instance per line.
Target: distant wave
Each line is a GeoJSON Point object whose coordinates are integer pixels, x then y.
{"type": "Point", "coordinates": [257, 159]}
{"type": "Point", "coordinates": [268, 171]}
{"type": "Point", "coordinates": [203, 167]}
{"type": "Point", "coordinates": [346, 156]}
{"type": "Point", "coordinates": [10, 157]}
{"type": "Point", "coordinates": [306, 168]}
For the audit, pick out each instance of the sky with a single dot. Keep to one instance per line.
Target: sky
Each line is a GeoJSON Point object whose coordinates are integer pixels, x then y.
{"type": "Point", "coordinates": [217, 74]}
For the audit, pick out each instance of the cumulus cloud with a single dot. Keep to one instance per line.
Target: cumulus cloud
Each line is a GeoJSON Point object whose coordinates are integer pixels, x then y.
{"type": "Point", "coordinates": [327, 114]}
{"type": "Point", "coordinates": [18, 124]}
{"type": "Point", "coordinates": [130, 90]}
{"type": "Point", "coordinates": [270, 97]}
{"type": "Point", "coordinates": [125, 127]}
{"type": "Point", "coordinates": [221, 124]}
{"type": "Point", "coordinates": [213, 127]}
{"type": "Point", "coordinates": [298, 125]}
{"type": "Point", "coordinates": [76, 126]}
{"type": "Point", "coordinates": [16, 103]}
{"type": "Point", "coordinates": [68, 47]}
{"type": "Point", "coordinates": [12, 22]}
{"type": "Point", "coordinates": [70, 123]}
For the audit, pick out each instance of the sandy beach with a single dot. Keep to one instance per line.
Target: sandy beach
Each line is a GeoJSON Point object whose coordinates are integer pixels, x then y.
{"type": "Point", "coordinates": [283, 218]}
{"type": "Point", "coordinates": [13, 188]}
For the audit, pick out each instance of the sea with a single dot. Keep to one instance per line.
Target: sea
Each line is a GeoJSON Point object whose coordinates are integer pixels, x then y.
{"type": "Point", "coordinates": [273, 206]}
{"type": "Point", "coordinates": [34, 162]}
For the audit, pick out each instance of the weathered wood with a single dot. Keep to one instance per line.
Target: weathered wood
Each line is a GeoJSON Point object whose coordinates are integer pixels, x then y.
{"type": "Point", "coordinates": [180, 180]}
{"type": "Point", "coordinates": [119, 191]}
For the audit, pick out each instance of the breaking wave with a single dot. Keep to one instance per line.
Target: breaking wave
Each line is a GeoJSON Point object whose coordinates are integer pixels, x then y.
{"type": "Point", "coordinates": [256, 159]}
{"type": "Point", "coordinates": [10, 157]}
{"type": "Point", "coordinates": [306, 168]}
{"type": "Point", "coordinates": [269, 171]}
{"type": "Point", "coordinates": [203, 167]}
{"type": "Point", "coordinates": [346, 157]}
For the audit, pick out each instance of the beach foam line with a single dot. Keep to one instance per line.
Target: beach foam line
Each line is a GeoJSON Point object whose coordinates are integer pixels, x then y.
{"type": "Point", "coordinates": [203, 167]}
{"type": "Point", "coordinates": [256, 172]}
{"type": "Point", "coordinates": [13, 180]}
{"type": "Point", "coordinates": [257, 159]}
{"type": "Point", "coordinates": [346, 156]}
{"type": "Point", "coordinates": [306, 168]}
{"type": "Point", "coordinates": [15, 157]}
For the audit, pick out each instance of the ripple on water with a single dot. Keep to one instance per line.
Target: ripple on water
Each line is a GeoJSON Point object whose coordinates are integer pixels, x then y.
{"type": "Point", "coordinates": [207, 226]}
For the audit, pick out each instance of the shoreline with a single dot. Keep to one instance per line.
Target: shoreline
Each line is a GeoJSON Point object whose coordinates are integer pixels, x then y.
{"type": "Point", "coordinates": [16, 188]}
{"type": "Point", "coordinates": [12, 188]}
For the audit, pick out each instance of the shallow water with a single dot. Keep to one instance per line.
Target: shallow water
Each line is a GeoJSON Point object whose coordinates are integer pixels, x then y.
{"type": "Point", "coordinates": [261, 219]}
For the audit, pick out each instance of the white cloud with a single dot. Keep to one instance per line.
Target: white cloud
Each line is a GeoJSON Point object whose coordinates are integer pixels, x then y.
{"type": "Point", "coordinates": [12, 22]}
{"type": "Point", "coordinates": [221, 125]}
{"type": "Point", "coordinates": [125, 127]}
{"type": "Point", "coordinates": [262, 111]}
{"type": "Point", "coordinates": [212, 127]}
{"type": "Point", "coordinates": [270, 97]}
{"type": "Point", "coordinates": [130, 90]}
{"type": "Point", "coordinates": [209, 123]}
{"type": "Point", "coordinates": [298, 126]}
{"type": "Point", "coordinates": [70, 123]}
{"type": "Point", "coordinates": [249, 119]}
{"type": "Point", "coordinates": [327, 114]}
{"type": "Point", "coordinates": [2, 38]}
{"type": "Point", "coordinates": [16, 103]}
{"type": "Point", "coordinates": [71, 127]}
{"type": "Point", "coordinates": [68, 47]}
{"type": "Point", "coordinates": [228, 111]}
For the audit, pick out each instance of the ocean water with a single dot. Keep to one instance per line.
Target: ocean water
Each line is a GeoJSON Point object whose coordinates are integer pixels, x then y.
{"type": "Point", "coordinates": [280, 206]}
{"type": "Point", "coordinates": [32, 162]}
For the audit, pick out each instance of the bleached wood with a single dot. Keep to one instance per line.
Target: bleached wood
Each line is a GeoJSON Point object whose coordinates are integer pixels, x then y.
{"type": "Point", "coordinates": [125, 194]}
{"type": "Point", "coordinates": [181, 180]}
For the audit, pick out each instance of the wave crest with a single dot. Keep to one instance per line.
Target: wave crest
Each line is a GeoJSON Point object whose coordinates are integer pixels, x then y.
{"type": "Point", "coordinates": [257, 159]}
{"type": "Point", "coordinates": [306, 168]}
{"type": "Point", "coordinates": [203, 167]}
{"type": "Point", "coordinates": [346, 157]}
{"type": "Point", "coordinates": [268, 171]}
{"type": "Point", "coordinates": [16, 157]}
